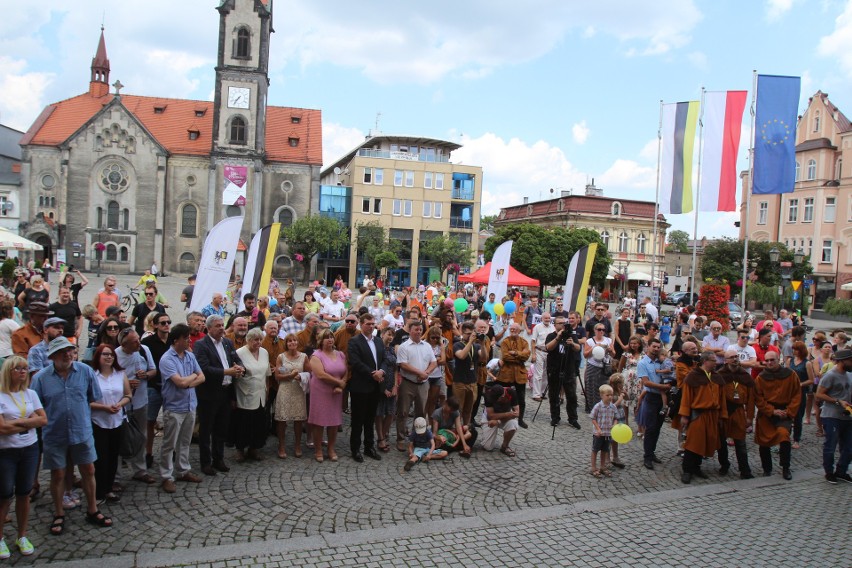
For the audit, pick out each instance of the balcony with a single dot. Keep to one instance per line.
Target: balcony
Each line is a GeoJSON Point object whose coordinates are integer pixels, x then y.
{"type": "Point", "coordinates": [465, 194]}
{"type": "Point", "coordinates": [370, 153]}
{"type": "Point", "coordinates": [460, 223]}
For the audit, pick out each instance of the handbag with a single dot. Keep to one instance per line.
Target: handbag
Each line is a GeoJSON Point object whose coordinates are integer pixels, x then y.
{"type": "Point", "coordinates": [131, 438]}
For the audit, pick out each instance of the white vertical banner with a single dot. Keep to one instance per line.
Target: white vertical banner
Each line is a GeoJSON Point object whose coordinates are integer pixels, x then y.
{"type": "Point", "coordinates": [217, 261]}
{"type": "Point", "coordinates": [498, 277]}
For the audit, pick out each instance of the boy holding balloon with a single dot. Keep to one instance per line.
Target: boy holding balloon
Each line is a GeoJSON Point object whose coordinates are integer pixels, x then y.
{"type": "Point", "coordinates": [603, 418]}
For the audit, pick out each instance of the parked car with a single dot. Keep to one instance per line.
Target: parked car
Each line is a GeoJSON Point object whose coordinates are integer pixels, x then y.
{"type": "Point", "coordinates": [735, 314]}
{"type": "Point", "coordinates": [681, 299]}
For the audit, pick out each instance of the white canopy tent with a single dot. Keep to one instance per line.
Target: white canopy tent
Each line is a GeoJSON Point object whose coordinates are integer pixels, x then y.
{"type": "Point", "coordinates": [11, 241]}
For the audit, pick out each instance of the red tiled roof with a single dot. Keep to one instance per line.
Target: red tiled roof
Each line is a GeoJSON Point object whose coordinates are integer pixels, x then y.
{"type": "Point", "coordinates": [171, 127]}
{"type": "Point", "coordinates": [581, 204]}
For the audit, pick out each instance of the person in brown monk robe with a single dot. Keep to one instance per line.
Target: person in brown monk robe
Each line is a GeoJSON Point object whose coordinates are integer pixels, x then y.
{"type": "Point", "coordinates": [777, 397]}
{"type": "Point", "coordinates": [739, 398]}
{"type": "Point", "coordinates": [686, 363]}
{"type": "Point", "coordinates": [702, 410]}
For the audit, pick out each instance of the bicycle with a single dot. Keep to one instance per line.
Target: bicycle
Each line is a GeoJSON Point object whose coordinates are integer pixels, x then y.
{"type": "Point", "coordinates": [130, 299]}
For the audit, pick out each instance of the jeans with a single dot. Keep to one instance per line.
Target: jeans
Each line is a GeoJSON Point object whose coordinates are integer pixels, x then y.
{"type": "Point", "coordinates": [654, 404]}
{"type": "Point", "coordinates": [17, 470]}
{"type": "Point", "coordinates": [836, 430]}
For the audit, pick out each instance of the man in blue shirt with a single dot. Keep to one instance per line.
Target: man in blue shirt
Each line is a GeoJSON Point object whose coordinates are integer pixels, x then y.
{"type": "Point", "coordinates": [66, 388]}
{"type": "Point", "coordinates": [180, 374]}
{"type": "Point", "coordinates": [652, 403]}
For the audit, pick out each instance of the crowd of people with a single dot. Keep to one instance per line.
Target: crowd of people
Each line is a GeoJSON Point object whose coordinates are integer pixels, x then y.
{"type": "Point", "coordinates": [452, 376]}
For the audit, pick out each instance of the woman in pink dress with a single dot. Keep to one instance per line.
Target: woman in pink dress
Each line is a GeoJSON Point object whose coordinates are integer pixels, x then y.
{"type": "Point", "coordinates": [328, 379]}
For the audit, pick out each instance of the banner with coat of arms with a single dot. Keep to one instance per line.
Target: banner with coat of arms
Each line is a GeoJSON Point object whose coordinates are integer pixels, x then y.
{"type": "Point", "coordinates": [217, 261]}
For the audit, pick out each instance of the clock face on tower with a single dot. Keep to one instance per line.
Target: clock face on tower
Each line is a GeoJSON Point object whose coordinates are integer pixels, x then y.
{"type": "Point", "coordinates": [238, 97]}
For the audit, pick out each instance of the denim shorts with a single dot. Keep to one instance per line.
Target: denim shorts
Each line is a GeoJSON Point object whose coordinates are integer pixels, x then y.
{"type": "Point", "coordinates": [155, 402]}
{"type": "Point", "coordinates": [56, 456]}
{"type": "Point", "coordinates": [600, 444]}
{"type": "Point", "coordinates": [421, 452]}
{"type": "Point", "coordinates": [17, 471]}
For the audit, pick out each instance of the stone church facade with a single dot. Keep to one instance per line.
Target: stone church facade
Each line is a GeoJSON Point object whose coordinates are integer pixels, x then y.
{"type": "Point", "coordinates": [145, 175]}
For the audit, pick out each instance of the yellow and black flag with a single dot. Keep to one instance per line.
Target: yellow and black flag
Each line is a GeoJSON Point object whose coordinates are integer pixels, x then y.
{"type": "Point", "coordinates": [579, 274]}
{"type": "Point", "coordinates": [260, 258]}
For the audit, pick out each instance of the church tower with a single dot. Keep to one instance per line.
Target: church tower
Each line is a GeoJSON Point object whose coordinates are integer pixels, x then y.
{"type": "Point", "coordinates": [99, 83]}
{"type": "Point", "coordinates": [242, 82]}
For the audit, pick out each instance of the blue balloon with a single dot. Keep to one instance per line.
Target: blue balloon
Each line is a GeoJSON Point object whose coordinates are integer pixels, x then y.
{"type": "Point", "coordinates": [510, 307]}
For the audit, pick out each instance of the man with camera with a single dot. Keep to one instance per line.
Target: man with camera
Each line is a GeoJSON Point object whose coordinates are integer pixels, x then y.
{"type": "Point", "coordinates": [563, 351]}
{"type": "Point", "coordinates": [469, 356]}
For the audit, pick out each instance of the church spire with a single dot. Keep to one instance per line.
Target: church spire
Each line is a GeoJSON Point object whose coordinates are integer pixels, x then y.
{"type": "Point", "coordinates": [99, 83]}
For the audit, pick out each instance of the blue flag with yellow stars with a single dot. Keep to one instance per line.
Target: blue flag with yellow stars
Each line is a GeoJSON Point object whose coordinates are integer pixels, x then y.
{"type": "Point", "coordinates": [775, 138]}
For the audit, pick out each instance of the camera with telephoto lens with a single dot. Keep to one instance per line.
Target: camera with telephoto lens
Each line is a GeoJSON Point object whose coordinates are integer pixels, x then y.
{"type": "Point", "coordinates": [481, 336]}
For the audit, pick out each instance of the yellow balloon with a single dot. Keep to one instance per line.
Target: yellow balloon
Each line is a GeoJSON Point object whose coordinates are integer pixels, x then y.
{"type": "Point", "coordinates": [499, 309]}
{"type": "Point", "coordinates": [621, 433]}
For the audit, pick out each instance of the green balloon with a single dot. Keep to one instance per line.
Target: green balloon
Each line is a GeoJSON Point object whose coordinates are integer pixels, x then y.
{"type": "Point", "coordinates": [460, 305]}
{"type": "Point", "coordinates": [546, 293]}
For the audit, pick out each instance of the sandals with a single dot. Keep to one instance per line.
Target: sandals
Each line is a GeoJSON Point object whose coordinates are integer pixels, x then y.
{"type": "Point", "coordinates": [98, 519]}
{"type": "Point", "coordinates": [596, 473]}
{"type": "Point", "coordinates": [507, 452]}
{"type": "Point", "coordinates": [58, 525]}
{"type": "Point", "coordinates": [145, 478]}
{"type": "Point", "coordinates": [606, 473]}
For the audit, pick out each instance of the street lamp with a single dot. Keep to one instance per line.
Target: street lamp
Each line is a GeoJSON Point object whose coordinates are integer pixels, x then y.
{"type": "Point", "coordinates": [98, 246]}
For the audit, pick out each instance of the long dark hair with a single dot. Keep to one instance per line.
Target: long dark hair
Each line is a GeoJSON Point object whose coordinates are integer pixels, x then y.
{"type": "Point", "coordinates": [103, 337]}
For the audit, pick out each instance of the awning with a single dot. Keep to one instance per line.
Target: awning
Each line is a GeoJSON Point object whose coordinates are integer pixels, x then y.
{"type": "Point", "coordinates": [639, 276]}
{"type": "Point", "coordinates": [9, 240]}
{"type": "Point", "coordinates": [846, 287]}
{"type": "Point", "coordinates": [516, 278]}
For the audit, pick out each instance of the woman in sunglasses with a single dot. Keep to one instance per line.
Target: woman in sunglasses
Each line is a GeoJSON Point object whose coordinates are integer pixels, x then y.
{"type": "Point", "coordinates": [108, 332]}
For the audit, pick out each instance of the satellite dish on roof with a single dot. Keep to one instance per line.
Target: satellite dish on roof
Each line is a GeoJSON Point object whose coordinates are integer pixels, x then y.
{"type": "Point", "coordinates": [336, 171]}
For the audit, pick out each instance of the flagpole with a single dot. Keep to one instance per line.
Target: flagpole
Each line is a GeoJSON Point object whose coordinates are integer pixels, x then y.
{"type": "Point", "coordinates": [657, 200]}
{"type": "Point", "coordinates": [697, 196]}
{"type": "Point", "coordinates": [749, 189]}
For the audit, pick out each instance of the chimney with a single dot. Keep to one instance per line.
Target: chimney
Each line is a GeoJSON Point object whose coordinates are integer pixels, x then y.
{"type": "Point", "coordinates": [526, 200]}
{"type": "Point", "coordinates": [565, 193]}
{"type": "Point", "coordinates": [592, 191]}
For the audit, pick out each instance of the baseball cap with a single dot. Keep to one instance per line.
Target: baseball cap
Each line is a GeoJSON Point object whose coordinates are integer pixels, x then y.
{"type": "Point", "coordinates": [420, 425]}
{"type": "Point", "coordinates": [54, 321]}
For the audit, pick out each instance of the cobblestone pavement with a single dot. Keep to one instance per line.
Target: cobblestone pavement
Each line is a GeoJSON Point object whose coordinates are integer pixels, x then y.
{"type": "Point", "coordinates": [284, 499]}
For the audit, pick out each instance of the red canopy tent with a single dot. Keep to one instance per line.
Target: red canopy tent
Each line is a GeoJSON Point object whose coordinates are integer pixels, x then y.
{"type": "Point", "coordinates": [515, 277]}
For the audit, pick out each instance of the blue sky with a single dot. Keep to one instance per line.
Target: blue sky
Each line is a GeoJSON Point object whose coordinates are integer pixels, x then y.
{"type": "Point", "coordinates": [542, 94]}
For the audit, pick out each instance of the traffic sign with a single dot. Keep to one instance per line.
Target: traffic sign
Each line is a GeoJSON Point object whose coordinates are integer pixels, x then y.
{"type": "Point", "coordinates": [795, 284]}
{"type": "Point", "coordinates": [809, 282]}
{"type": "Point", "coordinates": [795, 295]}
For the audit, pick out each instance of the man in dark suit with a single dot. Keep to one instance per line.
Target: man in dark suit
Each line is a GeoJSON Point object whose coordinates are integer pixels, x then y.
{"type": "Point", "coordinates": [366, 355]}
{"type": "Point", "coordinates": [219, 361]}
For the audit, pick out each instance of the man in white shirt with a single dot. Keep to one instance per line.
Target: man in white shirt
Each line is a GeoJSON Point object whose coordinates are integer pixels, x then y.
{"type": "Point", "coordinates": [716, 342]}
{"type": "Point", "coordinates": [539, 355]}
{"type": "Point", "coordinates": [416, 361]}
{"type": "Point", "coordinates": [138, 365]}
{"type": "Point", "coordinates": [746, 353]}
{"type": "Point", "coordinates": [651, 309]}
{"type": "Point", "coordinates": [333, 310]}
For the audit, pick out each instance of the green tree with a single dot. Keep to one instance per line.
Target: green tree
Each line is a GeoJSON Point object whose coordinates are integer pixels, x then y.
{"type": "Point", "coordinates": [545, 253]}
{"type": "Point", "coordinates": [446, 250]}
{"type": "Point", "coordinates": [678, 241]}
{"type": "Point", "coordinates": [722, 262]}
{"type": "Point", "coordinates": [486, 222]}
{"type": "Point", "coordinates": [371, 240]}
{"type": "Point", "coordinates": [313, 234]}
{"type": "Point", "coordinates": [386, 259]}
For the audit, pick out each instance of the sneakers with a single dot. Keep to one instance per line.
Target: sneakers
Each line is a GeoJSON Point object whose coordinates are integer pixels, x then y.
{"type": "Point", "coordinates": [4, 550]}
{"type": "Point", "coordinates": [831, 478]}
{"type": "Point", "coordinates": [24, 545]}
{"type": "Point", "coordinates": [843, 477]}
{"type": "Point", "coordinates": [574, 424]}
{"type": "Point", "coordinates": [70, 501]}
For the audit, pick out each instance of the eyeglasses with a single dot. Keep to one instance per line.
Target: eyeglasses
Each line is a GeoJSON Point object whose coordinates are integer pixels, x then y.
{"type": "Point", "coordinates": [351, 321]}
{"type": "Point", "coordinates": [19, 369]}
{"type": "Point", "coordinates": [112, 328]}
{"type": "Point", "coordinates": [600, 329]}
{"type": "Point", "coordinates": [150, 294]}
{"type": "Point", "coordinates": [166, 322]}
{"type": "Point", "coordinates": [600, 309]}
{"type": "Point", "coordinates": [107, 354]}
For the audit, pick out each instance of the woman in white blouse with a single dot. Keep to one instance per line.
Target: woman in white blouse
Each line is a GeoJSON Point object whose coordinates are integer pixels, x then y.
{"type": "Point", "coordinates": [107, 416]}
{"type": "Point", "coordinates": [249, 416]}
{"type": "Point", "coordinates": [20, 414]}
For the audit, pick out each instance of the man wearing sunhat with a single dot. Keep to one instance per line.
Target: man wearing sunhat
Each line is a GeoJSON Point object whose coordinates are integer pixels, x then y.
{"type": "Point", "coordinates": [66, 388]}
{"type": "Point", "coordinates": [31, 334]}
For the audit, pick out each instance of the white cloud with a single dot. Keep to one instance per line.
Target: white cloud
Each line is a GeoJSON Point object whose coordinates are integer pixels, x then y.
{"type": "Point", "coordinates": [337, 140]}
{"type": "Point", "coordinates": [580, 132]}
{"type": "Point", "coordinates": [838, 44]}
{"type": "Point", "coordinates": [21, 93]}
{"type": "Point", "coordinates": [396, 44]}
{"type": "Point", "coordinates": [628, 174]}
{"type": "Point", "coordinates": [514, 169]}
{"type": "Point", "coordinates": [650, 150]}
{"type": "Point", "coordinates": [775, 9]}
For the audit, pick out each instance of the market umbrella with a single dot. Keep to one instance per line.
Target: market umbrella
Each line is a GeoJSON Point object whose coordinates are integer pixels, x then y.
{"type": "Point", "coordinates": [9, 240]}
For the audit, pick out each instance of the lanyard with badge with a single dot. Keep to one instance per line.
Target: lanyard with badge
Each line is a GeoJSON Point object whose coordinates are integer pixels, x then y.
{"type": "Point", "coordinates": [22, 408]}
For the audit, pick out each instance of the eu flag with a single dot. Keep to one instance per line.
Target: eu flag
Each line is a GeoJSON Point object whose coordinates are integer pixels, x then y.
{"type": "Point", "coordinates": [775, 137]}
